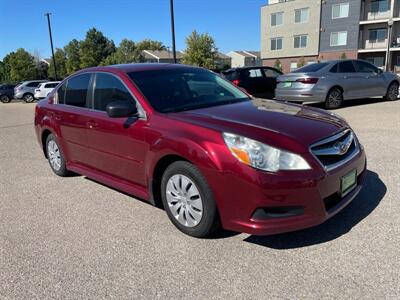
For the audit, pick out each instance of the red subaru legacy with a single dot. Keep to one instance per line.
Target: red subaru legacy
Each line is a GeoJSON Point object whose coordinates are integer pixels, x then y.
{"type": "Point", "coordinates": [186, 139]}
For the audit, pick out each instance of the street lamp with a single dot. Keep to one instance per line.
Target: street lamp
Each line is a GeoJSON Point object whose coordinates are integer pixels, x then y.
{"type": "Point", "coordinates": [171, 6]}
{"type": "Point", "coordinates": [51, 43]}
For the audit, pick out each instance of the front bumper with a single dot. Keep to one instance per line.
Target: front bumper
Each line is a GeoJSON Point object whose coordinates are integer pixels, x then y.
{"type": "Point", "coordinates": [313, 195]}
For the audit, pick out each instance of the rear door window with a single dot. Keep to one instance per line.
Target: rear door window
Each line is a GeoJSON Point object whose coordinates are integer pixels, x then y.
{"type": "Point", "coordinates": [109, 89]}
{"type": "Point", "coordinates": [33, 84]}
{"type": "Point", "coordinates": [346, 67]}
{"type": "Point", "coordinates": [231, 75]}
{"type": "Point", "coordinates": [271, 73]}
{"type": "Point", "coordinates": [76, 90]}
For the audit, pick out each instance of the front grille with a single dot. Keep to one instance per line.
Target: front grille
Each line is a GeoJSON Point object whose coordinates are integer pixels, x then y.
{"type": "Point", "coordinates": [336, 150]}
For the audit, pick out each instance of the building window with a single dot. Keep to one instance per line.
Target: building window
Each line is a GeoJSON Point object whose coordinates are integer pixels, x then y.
{"type": "Point", "coordinates": [378, 61]}
{"type": "Point", "coordinates": [377, 35]}
{"type": "Point", "coordinates": [379, 6]}
{"type": "Point", "coordinates": [340, 10]}
{"type": "Point", "coordinates": [277, 19]}
{"type": "Point", "coordinates": [300, 41]}
{"type": "Point", "coordinates": [276, 44]}
{"type": "Point", "coordinates": [293, 66]}
{"type": "Point", "coordinates": [338, 38]}
{"type": "Point", "coordinates": [301, 15]}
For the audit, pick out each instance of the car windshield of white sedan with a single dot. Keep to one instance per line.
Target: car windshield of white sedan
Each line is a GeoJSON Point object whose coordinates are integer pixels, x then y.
{"type": "Point", "coordinates": [179, 89]}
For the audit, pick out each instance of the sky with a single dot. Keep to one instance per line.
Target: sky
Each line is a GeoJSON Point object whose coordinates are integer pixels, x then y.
{"type": "Point", "coordinates": [234, 24]}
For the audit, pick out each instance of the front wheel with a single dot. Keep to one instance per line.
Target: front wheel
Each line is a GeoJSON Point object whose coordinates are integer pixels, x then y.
{"type": "Point", "coordinates": [28, 98]}
{"type": "Point", "coordinates": [392, 92]}
{"type": "Point", "coordinates": [188, 200]}
{"type": "Point", "coordinates": [334, 99]}
{"type": "Point", "coordinates": [5, 99]}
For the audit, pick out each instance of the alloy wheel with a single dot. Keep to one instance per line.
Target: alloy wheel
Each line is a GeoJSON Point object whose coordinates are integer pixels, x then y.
{"type": "Point", "coordinates": [335, 98]}
{"type": "Point", "coordinates": [4, 99]}
{"type": "Point", "coordinates": [54, 155]}
{"type": "Point", "coordinates": [184, 200]}
{"type": "Point", "coordinates": [29, 98]}
{"type": "Point", "coordinates": [393, 92]}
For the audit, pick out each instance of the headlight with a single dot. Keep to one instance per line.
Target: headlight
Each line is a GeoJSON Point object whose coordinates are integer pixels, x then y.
{"type": "Point", "coordinates": [262, 156]}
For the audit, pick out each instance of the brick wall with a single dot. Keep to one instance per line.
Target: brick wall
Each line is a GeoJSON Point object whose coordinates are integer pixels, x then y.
{"type": "Point", "coordinates": [287, 61]}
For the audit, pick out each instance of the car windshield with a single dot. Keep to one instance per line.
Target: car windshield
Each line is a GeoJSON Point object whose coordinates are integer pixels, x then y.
{"type": "Point", "coordinates": [311, 68]}
{"type": "Point", "coordinates": [173, 90]}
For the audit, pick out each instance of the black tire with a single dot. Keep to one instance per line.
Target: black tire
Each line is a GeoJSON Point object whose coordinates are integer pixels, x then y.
{"type": "Point", "coordinates": [5, 99]}
{"type": "Point", "coordinates": [28, 98]}
{"type": "Point", "coordinates": [334, 98]}
{"type": "Point", "coordinates": [62, 170]}
{"type": "Point", "coordinates": [210, 220]}
{"type": "Point", "coordinates": [392, 93]}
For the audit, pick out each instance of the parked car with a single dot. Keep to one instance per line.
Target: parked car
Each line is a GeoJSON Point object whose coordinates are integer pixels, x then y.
{"type": "Point", "coordinates": [44, 89]}
{"type": "Point", "coordinates": [333, 82]}
{"type": "Point", "coordinates": [26, 90]}
{"type": "Point", "coordinates": [257, 81]}
{"type": "Point", "coordinates": [6, 92]}
{"type": "Point", "coordinates": [187, 139]}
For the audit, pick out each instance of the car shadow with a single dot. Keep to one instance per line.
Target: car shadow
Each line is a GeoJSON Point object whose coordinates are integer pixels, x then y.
{"type": "Point", "coordinates": [367, 200]}
{"type": "Point", "coordinates": [350, 103]}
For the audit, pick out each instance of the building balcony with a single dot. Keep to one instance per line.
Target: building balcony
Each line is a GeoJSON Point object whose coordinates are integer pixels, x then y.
{"type": "Point", "coordinates": [376, 11]}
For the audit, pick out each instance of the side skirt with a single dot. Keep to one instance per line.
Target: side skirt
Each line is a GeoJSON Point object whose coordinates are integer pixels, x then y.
{"type": "Point", "coordinates": [111, 181]}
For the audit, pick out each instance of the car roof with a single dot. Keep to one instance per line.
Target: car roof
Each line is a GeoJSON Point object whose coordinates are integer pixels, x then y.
{"type": "Point", "coordinates": [137, 67]}
{"type": "Point", "coordinates": [248, 68]}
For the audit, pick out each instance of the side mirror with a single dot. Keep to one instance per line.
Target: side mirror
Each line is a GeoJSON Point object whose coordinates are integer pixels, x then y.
{"type": "Point", "coordinates": [121, 109]}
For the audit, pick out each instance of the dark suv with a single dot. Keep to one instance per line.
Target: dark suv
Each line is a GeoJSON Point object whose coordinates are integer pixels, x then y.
{"type": "Point", "coordinates": [257, 81]}
{"type": "Point", "coordinates": [6, 93]}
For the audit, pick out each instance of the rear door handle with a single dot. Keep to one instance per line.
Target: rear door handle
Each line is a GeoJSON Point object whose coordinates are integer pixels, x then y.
{"type": "Point", "coordinates": [92, 124]}
{"type": "Point", "coordinates": [57, 116]}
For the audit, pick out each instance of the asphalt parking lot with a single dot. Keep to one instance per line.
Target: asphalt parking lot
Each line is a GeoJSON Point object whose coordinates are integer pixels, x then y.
{"type": "Point", "coordinates": [73, 238]}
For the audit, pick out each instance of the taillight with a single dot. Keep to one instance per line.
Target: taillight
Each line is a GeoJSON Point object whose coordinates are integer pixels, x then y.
{"type": "Point", "coordinates": [308, 80]}
{"type": "Point", "coordinates": [236, 82]}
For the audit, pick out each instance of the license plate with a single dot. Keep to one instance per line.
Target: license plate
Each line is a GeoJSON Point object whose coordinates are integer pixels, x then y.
{"type": "Point", "coordinates": [348, 182]}
{"type": "Point", "coordinates": [287, 84]}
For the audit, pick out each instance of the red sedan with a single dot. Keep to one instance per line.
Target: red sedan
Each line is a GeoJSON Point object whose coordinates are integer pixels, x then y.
{"type": "Point", "coordinates": [188, 140]}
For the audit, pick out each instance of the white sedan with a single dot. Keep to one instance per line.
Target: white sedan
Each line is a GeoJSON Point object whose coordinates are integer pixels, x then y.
{"type": "Point", "coordinates": [45, 88]}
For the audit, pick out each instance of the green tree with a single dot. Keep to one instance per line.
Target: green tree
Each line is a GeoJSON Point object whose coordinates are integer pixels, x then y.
{"type": "Point", "coordinates": [73, 58]}
{"type": "Point", "coordinates": [150, 45]}
{"type": "Point", "coordinates": [200, 50]}
{"type": "Point", "coordinates": [42, 69]}
{"type": "Point", "coordinates": [61, 60]}
{"type": "Point", "coordinates": [301, 62]}
{"type": "Point", "coordinates": [278, 65]}
{"type": "Point", "coordinates": [343, 56]}
{"type": "Point", "coordinates": [127, 52]}
{"type": "Point", "coordinates": [95, 48]}
{"type": "Point", "coordinates": [21, 66]}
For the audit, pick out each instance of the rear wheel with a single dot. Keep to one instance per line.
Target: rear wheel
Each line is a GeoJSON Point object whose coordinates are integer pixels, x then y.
{"type": "Point", "coordinates": [5, 99]}
{"type": "Point", "coordinates": [334, 99]}
{"type": "Point", "coordinates": [392, 92]}
{"type": "Point", "coordinates": [56, 157]}
{"type": "Point", "coordinates": [188, 200]}
{"type": "Point", "coordinates": [28, 98]}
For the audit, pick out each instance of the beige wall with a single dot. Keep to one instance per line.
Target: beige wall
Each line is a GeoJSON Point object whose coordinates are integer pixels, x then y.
{"type": "Point", "coordinates": [289, 29]}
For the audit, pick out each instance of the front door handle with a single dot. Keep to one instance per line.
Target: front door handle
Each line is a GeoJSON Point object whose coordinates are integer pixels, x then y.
{"type": "Point", "coordinates": [92, 124]}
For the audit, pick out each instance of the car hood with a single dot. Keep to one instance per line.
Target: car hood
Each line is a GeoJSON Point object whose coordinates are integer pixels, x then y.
{"type": "Point", "coordinates": [305, 125]}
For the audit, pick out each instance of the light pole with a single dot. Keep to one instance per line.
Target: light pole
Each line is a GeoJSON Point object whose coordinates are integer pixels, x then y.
{"type": "Point", "coordinates": [171, 6]}
{"type": "Point", "coordinates": [388, 54]}
{"type": "Point", "coordinates": [51, 43]}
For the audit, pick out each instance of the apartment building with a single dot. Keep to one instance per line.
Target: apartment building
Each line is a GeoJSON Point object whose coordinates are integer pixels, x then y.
{"type": "Point", "coordinates": [366, 29]}
{"type": "Point", "coordinates": [290, 32]}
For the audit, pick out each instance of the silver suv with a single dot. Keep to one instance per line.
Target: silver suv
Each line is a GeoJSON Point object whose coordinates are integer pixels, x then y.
{"type": "Point", "coordinates": [26, 90]}
{"type": "Point", "coordinates": [333, 82]}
